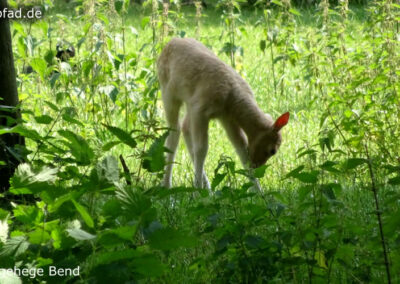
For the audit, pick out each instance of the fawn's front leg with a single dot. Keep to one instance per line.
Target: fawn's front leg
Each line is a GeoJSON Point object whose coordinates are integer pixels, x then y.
{"type": "Point", "coordinates": [199, 139]}
{"type": "Point", "coordinates": [239, 141]}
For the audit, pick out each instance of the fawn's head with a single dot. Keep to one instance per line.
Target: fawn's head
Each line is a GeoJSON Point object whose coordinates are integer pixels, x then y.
{"type": "Point", "coordinates": [267, 142]}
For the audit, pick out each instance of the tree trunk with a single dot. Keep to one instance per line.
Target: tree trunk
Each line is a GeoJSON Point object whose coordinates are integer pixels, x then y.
{"type": "Point", "coordinates": [9, 114]}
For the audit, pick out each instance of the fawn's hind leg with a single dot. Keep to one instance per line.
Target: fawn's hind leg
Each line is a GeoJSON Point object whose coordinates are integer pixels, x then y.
{"type": "Point", "coordinates": [199, 141]}
{"type": "Point", "coordinates": [189, 145]}
{"type": "Point", "coordinates": [171, 108]}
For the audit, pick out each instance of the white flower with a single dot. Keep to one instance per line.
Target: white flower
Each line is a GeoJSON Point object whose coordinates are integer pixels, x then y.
{"type": "Point", "coordinates": [3, 231]}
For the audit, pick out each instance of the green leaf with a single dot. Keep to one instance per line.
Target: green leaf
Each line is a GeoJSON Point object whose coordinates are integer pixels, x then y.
{"type": "Point", "coordinates": [154, 160]}
{"type": "Point", "coordinates": [148, 265]}
{"type": "Point", "coordinates": [294, 12]}
{"type": "Point", "coordinates": [38, 236]}
{"type": "Point", "coordinates": [395, 180]}
{"type": "Point", "coordinates": [53, 79]}
{"type": "Point", "coordinates": [260, 171]}
{"type": "Point", "coordinates": [49, 56]}
{"type": "Point", "coordinates": [3, 214]}
{"type": "Point", "coordinates": [23, 131]}
{"type": "Point", "coordinates": [122, 135]}
{"type": "Point", "coordinates": [43, 119]}
{"type": "Point", "coordinates": [277, 2]}
{"type": "Point", "coordinates": [145, 21]}
{"type": "Point", "coordinates": [345, 253]}
{"type": "Point", "coordinates": [329, 166]}
{"type": "Point", "coordinates": [85, 215]}
{"type": "Point", "coordinates": [73, 194]}
{"type": "Point", "coordinates": [80, 235]}
{"type": "Point", "coordinates": [328, 190]}
{"type": "Point", "coordinates": [218, 178]}
{"type": "Point", "coordinates": [29, 181]}
{"type": "Point", "coordinates": [40, 66]}
{"type": "Point", "coordinates": [112, 209]}
{"type": "Point", "coordinates": [392, 221]}
{"type": "Point", "coordinates": [125, 232]}
{"type": "Point", "coordinates": [52, 106]}
{"type": "Point", "coordinates": [114, 237]}
{"type": "Point", "coordinates": [304, 192]}
{"type": "Point", "coordinates": [66, 117]}
{"type": "Point", "coordinates": [19, 28]}
{"type": "Point", "coordinates": [107, 170]}
{"type": "Point", "coordinates": [87, 66]}
{"type": "Point", "coordinates": [135, 204]}
{"type": "Point", "coordinates": [353, 163]}
{"type": "Point", "coordinates": [106, 147]}
{"type": "Point", "coordinates": [169, 239]}
{"type": "Point", "coordinates": [115, 60]}
{"type": "Point", "coordinates": [14, 246]}
{"type": "Point", "coordinates": [78, 146]}
{"type": "Point", "coordinates": [111, 91]}
{"type": "Point", "coordinates": [295, 171]}
{"type": "Point", "coordinates": [103, 18]}
{"type": "Point", "coordinates": [263, 45]}
{"type": "Point", "coordinates": [118, 6]}
{"type": "Point", "coordinates": [279, 58]}
{"type": "Point", "coordinates": [29, 215]}
{"type": "Point", "coordinates": [114, 256]}
{"type": "Point", "coordinates": [254, 242]}
{"type": "Point", "coordinates": [348, 113]}
{"type": "Point", "coordinates": [391, 168]}
{"type": "Point", "coordinates": [308, 177]}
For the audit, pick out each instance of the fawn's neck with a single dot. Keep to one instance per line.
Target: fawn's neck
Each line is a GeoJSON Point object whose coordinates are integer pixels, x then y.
{"type": "Point", "coordinates": [248, 115]}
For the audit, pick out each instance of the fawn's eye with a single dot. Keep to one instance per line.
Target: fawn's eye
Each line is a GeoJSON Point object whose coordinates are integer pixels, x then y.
{"type": "Point", "coordinates": [272, 152]}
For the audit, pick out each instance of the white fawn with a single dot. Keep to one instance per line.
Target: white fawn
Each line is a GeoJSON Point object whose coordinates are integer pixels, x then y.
{"type": "Point", "coordinates": [190, 73]}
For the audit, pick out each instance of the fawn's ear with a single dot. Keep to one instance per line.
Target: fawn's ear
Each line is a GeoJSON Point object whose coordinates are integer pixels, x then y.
{"type": "Point", "coordinates": [281, 121]}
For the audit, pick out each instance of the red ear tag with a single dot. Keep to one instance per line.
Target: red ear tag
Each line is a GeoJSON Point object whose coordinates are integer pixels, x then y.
{"type": "Point", "coordinates": [281, 121]}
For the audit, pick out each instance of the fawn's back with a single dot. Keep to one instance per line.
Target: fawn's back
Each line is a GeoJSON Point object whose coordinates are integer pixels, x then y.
{"type": "Point", "coordinates": [189, 72]}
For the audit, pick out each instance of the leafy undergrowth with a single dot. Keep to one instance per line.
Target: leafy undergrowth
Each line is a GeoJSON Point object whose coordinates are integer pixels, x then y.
{"type": "Point", "coordinates": [86, 194]}
{"type": "Point", "coordinates": [118, 232]}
